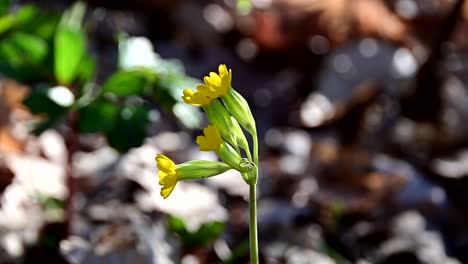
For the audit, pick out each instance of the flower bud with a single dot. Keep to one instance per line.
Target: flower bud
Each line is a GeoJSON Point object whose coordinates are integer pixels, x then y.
{"type": "Point", "coordinates": [240, 110]}
{"type": "Point", "coordinates": [240, 137]}
{"type": "Point", "coordinates": [220, 117]}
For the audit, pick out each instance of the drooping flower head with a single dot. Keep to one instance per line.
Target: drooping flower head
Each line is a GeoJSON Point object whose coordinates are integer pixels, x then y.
{"type": "Point", "coordinates": [211, 141]}
{"type": "Point", "coordinates": [215, 85]}
{"type": "Point", "coordinates": [168, 174]}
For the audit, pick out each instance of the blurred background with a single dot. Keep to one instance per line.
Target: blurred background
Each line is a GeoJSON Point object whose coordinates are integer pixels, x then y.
{"type": "Point", "coordinates": [361, 107]}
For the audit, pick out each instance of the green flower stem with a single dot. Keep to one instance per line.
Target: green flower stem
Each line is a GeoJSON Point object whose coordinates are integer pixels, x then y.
{"type": "Point", "coordinates": [255, 149]}
{"type": "Point", "coordinates": [253, 206]}
{"type": "Point", "coordinates": [253, 224]}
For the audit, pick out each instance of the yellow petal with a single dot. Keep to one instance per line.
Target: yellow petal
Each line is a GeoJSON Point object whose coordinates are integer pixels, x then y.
{"type": "Point", "coordinates": [167, 190]}
{"type": "Point", "coordinates": [202, 141]}
{"type": "Point", "coordinates": [212, 133]}
{"type": "Point", "coordinates": [196, 98]}
{"type": "Point", "coordinates": [211, 141]}
{"type": "Point", "coordinates": [222, 69]}
{"type": "Point", "coordinates": [213, 80]}
{"type": "Point", "coordinates": [205, 144]}
{"type": "Point", "coordinates": [187, 96]}
{"type": "Point", "coordinates": [206, 90]}
{"type": "Point", "coordinates": [165, 164]}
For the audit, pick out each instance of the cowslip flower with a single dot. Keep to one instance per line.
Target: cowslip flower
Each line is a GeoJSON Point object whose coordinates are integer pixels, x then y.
{"type": "Point", "coordinates": [219, 82]}
{"type": "Point", "coordinates": [212, 141]}
{"type": "Point", "coordinates": [215, 85]}
{"type": "Point", "coordinates": [197, 98]}
{"type": "Point", "coordinates": [170, 173]}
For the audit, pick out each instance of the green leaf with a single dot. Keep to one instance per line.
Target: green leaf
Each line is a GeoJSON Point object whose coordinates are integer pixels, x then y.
{"type": "Point", "coordinates": [25, 15]}
{"type": "Point", "coordinates": [70, 47]}
{"type": "Point", "coordinates": [129, 128]}
{"type": "Point", "coordinates": [208, 233]}
{"type": "Point", "coordinates": [177, 225]}
{"type": "Point", "coordinates": [86, 69]}
{"type": "Point", "coordinates": [32, 48]}
{"type": "Point", "coordinates": [126, 83]}
{"type": "Point", "coordinates": [43, 25]}
{"type": "Point", "coordinates": [22, 49]}
{"type": "Point", "coordinates": [49, 202]}
{"type": "Point", "coordinates": [23, 56]}
{"type": "Point", "coordinates": [73, 17]}
{"type": "Point", "coordinates": [6, 23]}
{"type": "Point", "coordinates": [4, 6]}
{"type": "Point", "coordinates": [39, 101]}
{"type": "Point", "coordinates": [204, 236]}
{"type": "Point", "coordinates": [10, 54]}
{"type": "Point", "coordinates": [238, 253]}
{"type": "Point", "coordinates": [99, 116]}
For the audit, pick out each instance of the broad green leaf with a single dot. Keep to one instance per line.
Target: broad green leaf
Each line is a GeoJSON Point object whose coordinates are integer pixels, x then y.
{"type": "Point", "coordinates": [86, 69]}
{"type": "Point", "coordinates": [32, 48]}
{"type": "Point", "coordinates": [126, 83]}
{"type": "Point", "coordinates": [70, 47]}
{"type": "Point", "coordinates": [99, 116]}
{"type": "Point", "coordinates": [6, 23]}
{"type": "Point", "coordinates": [10, 54]}
{"type": "Point", "coordinates": [22, 57]}
{"type": "Point", "coordinates": [31, 20]}
{"type": "Point", "coordinates": [40, 101]}
{"type": "Point", "coordinates": [177, 225]}
{"type": "Point", "coordinates": [43, 25]}
{"type": "Point", "coordinates": [73, 17]}
{"type": "Point", "coordinates": [204, 236]}
{"type": "Point", "coordinates": [25, 15]}
{"type": "Point", "coordinates": [4, 6]}
{"type": "Point", "coordinates": [129, 130]}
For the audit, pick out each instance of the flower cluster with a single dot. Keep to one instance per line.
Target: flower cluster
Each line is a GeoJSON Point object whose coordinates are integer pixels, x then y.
{"type": "Point", "coordinates": [229, 115]}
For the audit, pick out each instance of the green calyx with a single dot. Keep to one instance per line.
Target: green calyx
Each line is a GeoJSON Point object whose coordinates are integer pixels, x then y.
{"type": "Point", "coordinates": [220, 117]}
{"type": "Point", "coordinates": [201, 169]}
{"type": "Point", "coordinates": [240, 110]}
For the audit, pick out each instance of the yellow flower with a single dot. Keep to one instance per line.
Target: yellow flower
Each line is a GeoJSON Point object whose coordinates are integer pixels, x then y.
{"type": "Point", "coordinates": [216, 85]}
{"type": "Point", "coordinates": [168, 175]}
{"type": "Point", "coordinates": [196, 98]}
{"type": "Point", "coordinates": [219, 82]}
{"type": "Point", "coordinates": [211, 141]}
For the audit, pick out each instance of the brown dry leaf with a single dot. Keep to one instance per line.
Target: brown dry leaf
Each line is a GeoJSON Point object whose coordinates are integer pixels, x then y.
{"type": "Point", "coordinates": [12, 95]}
{"type": "Point", "coordinates": [288, 23]}
{"type": "Point", "coordinates": [8, 143]}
